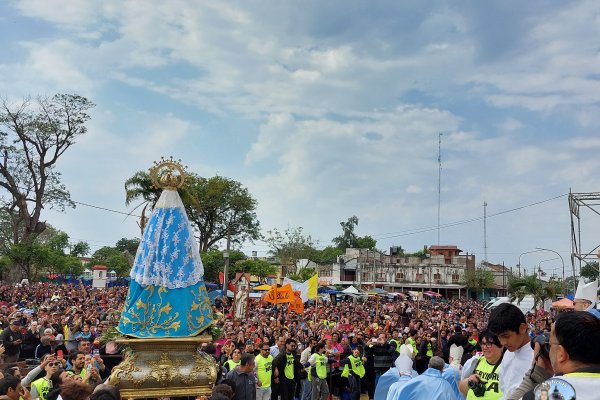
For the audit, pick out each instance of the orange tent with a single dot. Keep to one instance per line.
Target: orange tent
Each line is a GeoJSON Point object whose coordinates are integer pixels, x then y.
{"type": "Point", "coordinates": [563, 303]}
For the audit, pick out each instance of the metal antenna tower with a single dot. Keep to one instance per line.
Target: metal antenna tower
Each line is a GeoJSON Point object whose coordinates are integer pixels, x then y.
{"type": "Point", "coordinates": [439, 185]}
{"type": "Point", "coordinates": [484, 230]}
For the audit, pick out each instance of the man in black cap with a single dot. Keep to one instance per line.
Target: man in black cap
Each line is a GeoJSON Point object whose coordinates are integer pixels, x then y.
{"type": "Point", "coordinates": [12, 338]}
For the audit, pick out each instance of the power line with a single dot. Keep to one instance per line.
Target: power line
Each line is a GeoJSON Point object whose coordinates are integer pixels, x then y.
{"type": "Point", "coordinates": [382, 236]}
{"type": "Point", "coordinates": [106, 209]}
{"type": "Point", "coordinates": [461, 222]}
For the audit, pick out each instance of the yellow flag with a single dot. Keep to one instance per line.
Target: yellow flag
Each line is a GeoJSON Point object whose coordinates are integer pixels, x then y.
{"type": "Point", "coordinates": [313, 285]}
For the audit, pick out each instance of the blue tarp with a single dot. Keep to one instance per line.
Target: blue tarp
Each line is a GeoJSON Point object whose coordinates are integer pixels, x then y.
{"type": "Point", "coordinates": [326, 290]}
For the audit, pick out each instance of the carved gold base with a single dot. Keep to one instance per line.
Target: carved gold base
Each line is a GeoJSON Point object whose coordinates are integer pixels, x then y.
{"type": "Point", "coordinates": [165, 367]}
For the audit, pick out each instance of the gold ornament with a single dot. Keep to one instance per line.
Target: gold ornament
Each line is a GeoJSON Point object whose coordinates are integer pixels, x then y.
{"type": "Point", "coordinates": [167, 174]}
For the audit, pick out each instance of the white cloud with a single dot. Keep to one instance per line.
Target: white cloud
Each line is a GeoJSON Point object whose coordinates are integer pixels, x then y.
{"type": "Point", "coordinates": [332, 117]}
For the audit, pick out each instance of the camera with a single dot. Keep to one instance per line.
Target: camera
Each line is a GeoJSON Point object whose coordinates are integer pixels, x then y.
{"type": "Point", "coordinates": [544, 341]}
{"type": "Point", "coordinates": [478, 388]}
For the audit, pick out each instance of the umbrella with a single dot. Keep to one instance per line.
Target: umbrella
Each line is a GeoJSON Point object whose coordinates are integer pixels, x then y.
{"type": "Point", "coordinates": [563, 303]}
{"type": "Point", "coordinates": [432, 294]}
{"type": "Point", "coordinates": [262, 287]}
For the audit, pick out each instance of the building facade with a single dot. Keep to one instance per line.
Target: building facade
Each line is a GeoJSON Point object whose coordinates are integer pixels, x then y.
{"type": "Point", "coordinates": [441, 271]}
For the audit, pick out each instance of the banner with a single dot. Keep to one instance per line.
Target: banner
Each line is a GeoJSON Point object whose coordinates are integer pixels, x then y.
{"type": "Point", "coordinates": [307, 289]}
{"type": "Point", "coordinates": [296, 305]}
{"type": "Point", "coordinates": [277, 295]}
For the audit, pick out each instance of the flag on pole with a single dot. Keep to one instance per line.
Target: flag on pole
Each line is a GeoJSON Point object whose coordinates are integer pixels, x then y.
{"type": "Point", "coordinates": [279, 295]}
{"type": "Point", "coordinates": [307, 289]}
{"type": "Point", "coordinates": [313, 285]}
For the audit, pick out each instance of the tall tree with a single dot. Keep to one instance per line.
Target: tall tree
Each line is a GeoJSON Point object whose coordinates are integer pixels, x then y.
{"type": "Point", "coordinates": [259, 268]}
{"type": "Point", "coordinates": [518, 288]}
{"type": "Point", "coordinates": [214, 263]}
{"type": "Point", "coordinates": [33, 137]}
{"type": "Point", "coordinates": [112, 259]}
{"type": "Point", "coordinates": [220, 207]}
{"type": "Point", "coordinates": [128, 245]}
{"type": "Point", "coordinates": [478, 279]}
{"type": "Point", "coordinates": [217, 207]}
{"type": "Point", "coordinates": [140, 187]}
{"type": "Point", "coordinates": [349, 239]}
{"type": "Point", "coordinates": [290, 247]}
{"type": "Point", "coordinates": [328, 255]}
{"type": "Point", "coordinates": [50, 252]}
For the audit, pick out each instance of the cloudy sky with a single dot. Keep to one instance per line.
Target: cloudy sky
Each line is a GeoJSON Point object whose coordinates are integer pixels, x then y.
{"type": "Point", "coordinates": [328, 109]}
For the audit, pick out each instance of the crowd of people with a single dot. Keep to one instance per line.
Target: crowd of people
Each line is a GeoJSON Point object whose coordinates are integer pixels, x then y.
{"type": "Point", "coordinates": [380, 348]}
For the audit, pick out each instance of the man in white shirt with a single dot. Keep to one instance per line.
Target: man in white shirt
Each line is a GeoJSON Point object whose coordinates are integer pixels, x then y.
{"type": "Point", "coordinates": [278, 347]}
{"type": "Point", "coordinates": [508, 323]}
{"type": "Point", "coordinates": [304, 356]}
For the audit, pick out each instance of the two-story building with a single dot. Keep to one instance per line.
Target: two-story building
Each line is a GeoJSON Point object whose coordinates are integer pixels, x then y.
{"type": "Point", "coordinates": [442, 270]}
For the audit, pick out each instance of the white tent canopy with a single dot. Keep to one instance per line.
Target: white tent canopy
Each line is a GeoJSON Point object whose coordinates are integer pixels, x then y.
{"type": "Point", "coordinates": [351, 290]}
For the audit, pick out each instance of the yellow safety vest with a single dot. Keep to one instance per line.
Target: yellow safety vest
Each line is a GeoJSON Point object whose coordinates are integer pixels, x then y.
{"type": "Point", "coordinates": [321, 365]}
{"type": "Point", "coordinates": [231, 364]}
{"type": "Point", "coordinates": [412, 342]}
{"type": "Point", "coordinates": [288, 371]}
{"type": "Point", "coordinates": [42, 386]}
{"type": "Point", "coordinates": [489, 374]}
{"type": "Point", "coordinates": [356, 365]}
{"type": "Point", "coordinates": [264, 370]}
{"type": "Point", "coordinates": [429, 352]}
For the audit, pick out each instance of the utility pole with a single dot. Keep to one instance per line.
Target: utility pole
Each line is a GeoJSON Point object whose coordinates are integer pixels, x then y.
{"type": "Point", "coordinates": [439, 184]}
{"type": "Point", "coordinates": [485, 231]}
{"type": "Point", "coordinates": [226, 257]}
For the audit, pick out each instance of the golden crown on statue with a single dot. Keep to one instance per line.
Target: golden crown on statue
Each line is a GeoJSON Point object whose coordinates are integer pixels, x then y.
{"type": "Point", "coordinates": [167, 174]}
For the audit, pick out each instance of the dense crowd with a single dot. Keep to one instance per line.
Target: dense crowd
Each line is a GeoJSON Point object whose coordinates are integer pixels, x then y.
{"type": "Point", "coordinates": [378, 347]}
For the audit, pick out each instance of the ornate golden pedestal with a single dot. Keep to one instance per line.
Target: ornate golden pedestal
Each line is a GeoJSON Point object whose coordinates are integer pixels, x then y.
{"type": "Point", "coordinates": [165, 367]}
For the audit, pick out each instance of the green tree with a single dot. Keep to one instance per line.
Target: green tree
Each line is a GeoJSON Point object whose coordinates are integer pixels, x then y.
{"type": "Point", "coordinates": [590, 271]}
{"type": "Point", "coordinates": [50, 252]}
{"type": "Point", "coordinates": [478, 279]}
{"type": "Point", "coordinates": [518, 288]}
{"type": "Point", "coordinates": [216, 207]}
{"type": "Point", "coordinates": [303, 274]}
{"type": "Point", "coordinates": [59, 242]}
{"type": "Point", "coordinates": [33, 137]}
{"type": "Point", "coordinates": [140, 188]}
{"type": "Point", "coordinates": [111, 258]}
{"type": "Point", "coordinates": [349, 239]}
{"type": "Point", "coordinates": [214, 263]}
{"type": "Point", "coordinates": [290, 247]}
{"type": "Point", "coordinates": [259, 268]}
{"type": "Point", "coordinates": [79, 249]}
{"type": "Point", "coordinates": [421, 253]}
{"type": "Point", "coordinates": [328, 255]}
{"type": "Point", "coordinates": [220, 207]}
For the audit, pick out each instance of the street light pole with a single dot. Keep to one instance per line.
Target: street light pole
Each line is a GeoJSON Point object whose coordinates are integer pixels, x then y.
{"type": "Point", "coordinates": [526, 252]}
{"type": "Point", "coordinates": [540, 266]}
{"type": "Point", "coordinates": [563, 263]}
{"type": "Point", "coordinates": [226, 268]}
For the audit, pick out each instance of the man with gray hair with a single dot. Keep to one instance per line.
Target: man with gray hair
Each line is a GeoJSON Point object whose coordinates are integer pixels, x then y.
{"type": "Point", "coordinates": [428, 386]}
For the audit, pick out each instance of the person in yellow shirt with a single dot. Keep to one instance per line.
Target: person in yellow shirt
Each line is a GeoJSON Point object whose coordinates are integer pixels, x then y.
{"type": "Point", "coordinates": [41, 387]}
{"type": "Point", "coordinates": [354, 370]}
{"type": "Point", "coordinates": [264, 372]}
{"type": "Point", "coordinates": [484, 382]}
